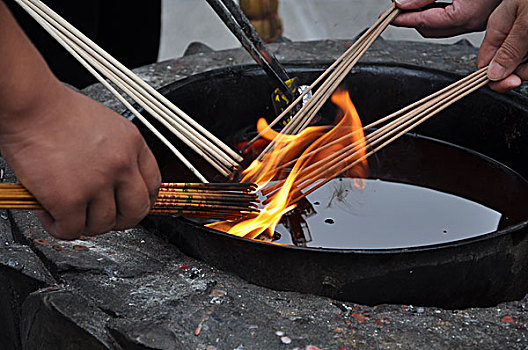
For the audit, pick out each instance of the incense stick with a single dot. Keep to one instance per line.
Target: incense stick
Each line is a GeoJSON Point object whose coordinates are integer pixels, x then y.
{"type": "Point", "coordinates": [218, 201]}
{"type": "Point", "coordinates": [411, 120]}
{"type": "Point", "coordinates": [317, 174]}
{"type": "Point", "coordinates": [96, 60]}
{"type": "Point", "coordinates": [336, 72]}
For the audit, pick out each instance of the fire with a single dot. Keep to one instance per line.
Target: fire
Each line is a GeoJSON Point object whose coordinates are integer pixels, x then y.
{"type": "Point", "coordinates": [342, 99]}
{"type": "Point", "coordinates": [299, 162]}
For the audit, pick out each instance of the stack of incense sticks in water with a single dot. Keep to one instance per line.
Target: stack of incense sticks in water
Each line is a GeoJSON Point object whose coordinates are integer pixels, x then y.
{"type": "Point", "coordinates": [388, 129]}
{"type": "Point", "coordinates": [214, 201]}
{"type": "Point", "coordinates": [102, 65]}
{"type": "Point", "coordinates": [334, 74]}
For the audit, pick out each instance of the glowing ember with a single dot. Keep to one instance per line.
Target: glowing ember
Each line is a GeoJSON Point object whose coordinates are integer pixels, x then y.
{"type": "Point", "coordinates": [299, 162]}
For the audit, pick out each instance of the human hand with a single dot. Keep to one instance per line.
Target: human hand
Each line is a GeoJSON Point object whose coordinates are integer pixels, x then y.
{"type": "Point", "coordinates": [505, 45]}
{"type": "Point", "coordinates": [462, 16]}
{"type": "Point", "coordinates": [88, 166]}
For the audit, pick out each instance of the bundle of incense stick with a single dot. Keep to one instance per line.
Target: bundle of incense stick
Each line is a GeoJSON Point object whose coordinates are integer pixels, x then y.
{"type": "Point", "coordinates": [334, 75]}
{"type": "Point", "coordinates": [215, 201]}
{"type": "Point", "coordinates": [100, 64]}
{"type": "Point", "coordinates": [396, 125]}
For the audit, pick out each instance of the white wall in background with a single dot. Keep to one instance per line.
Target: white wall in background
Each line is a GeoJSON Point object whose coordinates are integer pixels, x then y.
{"type": "Point", "coordinates": [185, 21]}
{"type": "Point", "coordinates": [344, 19]}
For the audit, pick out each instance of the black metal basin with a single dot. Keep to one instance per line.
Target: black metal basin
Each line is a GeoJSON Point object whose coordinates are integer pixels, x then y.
{"type": "Point", "coordinates": [481, 271]}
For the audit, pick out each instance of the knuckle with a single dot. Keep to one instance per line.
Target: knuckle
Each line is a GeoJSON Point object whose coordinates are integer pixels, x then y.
{"type": "Point", "coordinates": [64, 204]}
{"type": "Point", "coordinates": [103, 224]}
{"type": "Point", "coordinates": [133, 133]}
{"type": "Point", "coordinates": [134, 214]}
{"type": "Point", "coordinates": [454, 16]}
{"type": "Point", "coordinates": [73, 200]}
{"type": "Point", "coordinates": [508, 53]}
{"type": "Point", "coordinates": [120, 161]}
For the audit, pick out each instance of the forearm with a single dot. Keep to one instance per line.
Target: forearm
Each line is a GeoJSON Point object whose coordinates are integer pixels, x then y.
{"type": "Point", "coordinates": [26, 82]}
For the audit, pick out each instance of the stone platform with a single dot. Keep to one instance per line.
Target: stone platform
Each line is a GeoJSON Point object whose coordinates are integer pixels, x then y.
{"type": "Point", "coordinates": [132, 290]}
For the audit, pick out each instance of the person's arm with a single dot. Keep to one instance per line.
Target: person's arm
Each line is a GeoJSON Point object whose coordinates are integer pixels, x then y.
{"type": "Point", "coordinates": [88, 166]}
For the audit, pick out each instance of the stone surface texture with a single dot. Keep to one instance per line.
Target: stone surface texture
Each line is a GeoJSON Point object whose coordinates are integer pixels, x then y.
{"type": "Point", "coordinates": [132, 290]}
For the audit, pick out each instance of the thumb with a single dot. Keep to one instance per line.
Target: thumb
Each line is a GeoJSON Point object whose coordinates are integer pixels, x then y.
{"type": "Point", "coordinates": [504, 46]}
{"type": "Point", "coordinates": [412, 4]}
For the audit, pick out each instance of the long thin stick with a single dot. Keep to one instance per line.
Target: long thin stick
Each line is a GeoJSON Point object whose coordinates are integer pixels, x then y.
{"type": "Point", "coordinates": [306, 114]}
{"type": "Point", "coordinates": [372, 33]}
{"type": "Point", "coordinates": [74, 41]}
{"type": "Point", "coordinates": [428, 107]}
{"type": "Point", "coordinates": [133, 82]}
{"type": "Point", "coordinates": [83, 62]}
{"type": "Point", "coordinates": [220, 201]}
{"type": "Point", "coordinates": [134, 77]}
{"type": "Point", "coordinates": [422, 117]}
{"type": "Point", "coordinates": [382, 120]}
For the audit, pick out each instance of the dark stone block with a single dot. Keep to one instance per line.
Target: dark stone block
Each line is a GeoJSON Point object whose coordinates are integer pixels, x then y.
{"type": "Point", "coordinates": [21, 273]}
{"type": "Point", "coordinates": [61, 319]}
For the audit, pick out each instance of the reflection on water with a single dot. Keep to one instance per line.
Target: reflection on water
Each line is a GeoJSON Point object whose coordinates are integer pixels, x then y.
{"type": "Point", "coordinates": [391, 215]}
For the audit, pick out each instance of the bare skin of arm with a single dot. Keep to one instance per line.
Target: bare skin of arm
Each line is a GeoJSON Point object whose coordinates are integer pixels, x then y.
{"type": "Point", "coordinates": [505, 45]}
{"type": "Point", "coordinates": [88, 166]}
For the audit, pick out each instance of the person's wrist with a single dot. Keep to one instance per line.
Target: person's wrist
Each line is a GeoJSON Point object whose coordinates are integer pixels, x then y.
{"type": "Point", "coordinates": [30, 106]}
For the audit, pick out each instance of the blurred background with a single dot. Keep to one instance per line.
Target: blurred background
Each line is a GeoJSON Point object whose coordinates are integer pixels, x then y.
{"type": "Point", "coordinates": [184, 21]}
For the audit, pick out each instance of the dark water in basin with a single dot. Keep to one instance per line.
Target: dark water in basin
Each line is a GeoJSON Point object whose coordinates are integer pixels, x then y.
{"type": "Point", "coordinates": [422, 192]}
{"type": "Point", "coordinates": [387, 214]}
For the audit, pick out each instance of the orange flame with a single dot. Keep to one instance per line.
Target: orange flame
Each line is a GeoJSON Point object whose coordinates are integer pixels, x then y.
{"type": "Point", "coordinates": [293, 162]}
{"type": "Point", "coordinates": [357, 136]}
